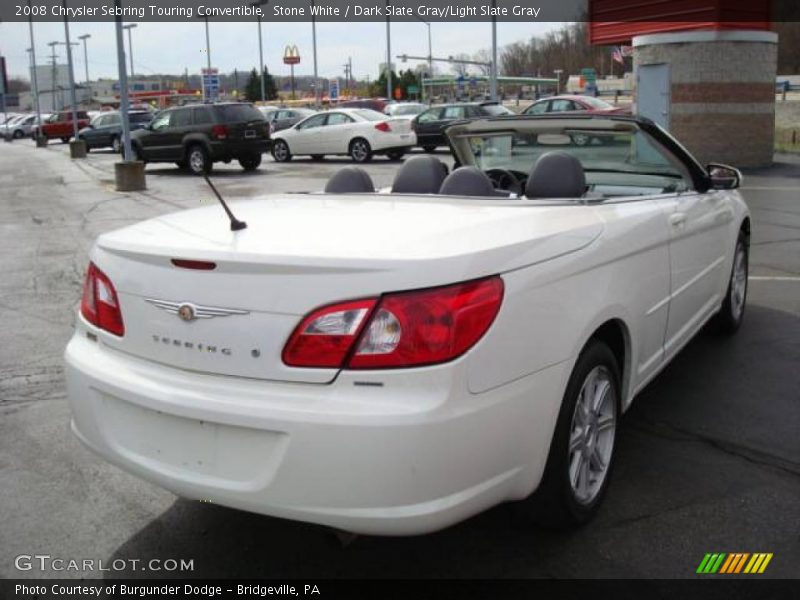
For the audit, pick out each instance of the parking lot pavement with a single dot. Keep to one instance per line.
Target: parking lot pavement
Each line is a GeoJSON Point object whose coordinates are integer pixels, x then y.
{"type": "Point", "coordinates": [708, 458]}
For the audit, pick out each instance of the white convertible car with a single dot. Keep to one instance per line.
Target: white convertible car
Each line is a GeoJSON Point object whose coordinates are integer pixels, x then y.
{"type": "Point", "coordinates": [357, 132]}
{"type": "Point", "coordinates": [395, 361]}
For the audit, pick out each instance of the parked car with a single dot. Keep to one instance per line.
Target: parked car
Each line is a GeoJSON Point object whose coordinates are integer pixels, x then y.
{"type": "Point", "coordinates": [18, 127]}
{"type": "Point", "coordinates": [376, 104]}
{"type": "Point", "coordinates": [197, 136]}
{"type": "Point", "coordinates": [283, 118]}
{"type": "Point", "coordinates": [61, 125]}
{"type": "Point", "coordinates": [37, 124]}
{"type": "Point", "coordinates": [357, 132]}
{"type": "Point", "coordinates": [429, 125]}
{"type": "Point", "coordinates": [567, 103]}
{"type": "Point", "coordinates": [405, 109]}
{"type": "Point", "coordinates": [396, 362]}
{"type": "Point", "coordinates": [106, 129]}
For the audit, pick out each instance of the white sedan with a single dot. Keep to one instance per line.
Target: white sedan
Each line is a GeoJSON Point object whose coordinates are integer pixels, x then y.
{"type": "Point", "coordinates": [395, 362]}
{"type": "Point", "coordinates": [357, 132]}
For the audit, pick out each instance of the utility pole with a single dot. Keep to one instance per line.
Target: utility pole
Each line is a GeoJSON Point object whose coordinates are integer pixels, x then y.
{"type": "Point", "coordinates": [53, 59]}
{"type": "Point", "coordinates": [314, 44]}
{"type": "Point", "coordinates": [85, 37]}
{"type": "Point", "coordinates": [260, 52]}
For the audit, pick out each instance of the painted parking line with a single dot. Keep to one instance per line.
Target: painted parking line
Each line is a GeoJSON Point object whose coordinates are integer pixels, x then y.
{"type": "Point", "coordinates": [768, 278]}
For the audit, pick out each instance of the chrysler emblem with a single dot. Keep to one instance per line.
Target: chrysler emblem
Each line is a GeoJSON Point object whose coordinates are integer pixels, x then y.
{"type": "Point", "coordinates": [186, 312]}
{"type": "Point", "coordinates": [189, 312]}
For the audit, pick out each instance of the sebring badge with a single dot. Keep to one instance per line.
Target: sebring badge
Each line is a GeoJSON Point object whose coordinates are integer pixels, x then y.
{"type": "Point", "coordinates": [188, 312]}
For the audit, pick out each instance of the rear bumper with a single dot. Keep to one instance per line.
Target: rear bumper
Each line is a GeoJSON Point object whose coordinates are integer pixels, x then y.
{"type": "Point", "coordinates": [412, 455]}
{"type": "Point", "coordinates": [234, 150]}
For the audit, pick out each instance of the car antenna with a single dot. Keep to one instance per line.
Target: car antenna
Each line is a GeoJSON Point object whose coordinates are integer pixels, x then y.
{"type": "Point", "coordinates": [236, 224]}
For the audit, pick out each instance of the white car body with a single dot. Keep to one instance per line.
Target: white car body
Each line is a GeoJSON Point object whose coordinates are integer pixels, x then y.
{"type": "Point", "coordinates": [18, 127]}
{"type": "Point", "coordinates": [316, 135]}
{"type": "Point", "coordinates": [386, 451]}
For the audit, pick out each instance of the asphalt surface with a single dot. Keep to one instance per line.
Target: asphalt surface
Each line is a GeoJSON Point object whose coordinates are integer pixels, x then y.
{"type": "Point", "coordinates": [708, 457]}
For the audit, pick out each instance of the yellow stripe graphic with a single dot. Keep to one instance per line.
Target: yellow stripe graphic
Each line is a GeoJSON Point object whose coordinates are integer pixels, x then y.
{"type": "Point", "coordinates": [753, 560]}
{"type": "Point", "coordinates": [759, 559]}
{"type": "Point", "coordinates": [765, 563]}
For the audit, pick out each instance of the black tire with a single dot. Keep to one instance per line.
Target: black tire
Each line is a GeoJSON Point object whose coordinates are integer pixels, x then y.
{"type": "Point", "coordinates": [730, 316]}
{"type": "Point", "coordinates": [556, 504]}
{"type": "Point", "coordinates": [317, 157]}
{"type": "Point", "coordinates": [280, 151]}
{"type": "Point", "coordinates": [116, 144]}
{"type": "Point", "coordinates": [250, 163]}
{"type": "Point", "coordinates": [18, 134]}
{"type": "Point", "coordinates": [198, 161]}
{"type": "Point", "coordinates": [429, 149]}
{"type": "Point", "coordinates": [65, 140]}
{"type": "Point", "coordinates": [395, 154]}
{"type": "Point", "coordinates": [360, 150]}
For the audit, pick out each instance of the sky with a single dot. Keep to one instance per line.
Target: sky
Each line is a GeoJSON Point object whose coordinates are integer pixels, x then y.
{"type": "Point", "coordinates": [173, 47]}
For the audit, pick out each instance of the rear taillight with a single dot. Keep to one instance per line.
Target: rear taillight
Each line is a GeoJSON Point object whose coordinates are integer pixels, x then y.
{"type": "Point", "coordinates": [383, 126]}
{"type": "Point", "coordinates": [99, 304]}
{"type": "Point", "coordinates": [219, 132]}
{"type": "Point", "coordinates": [403, 329]}
{"type": "Point", "coordinates": [324, 338]}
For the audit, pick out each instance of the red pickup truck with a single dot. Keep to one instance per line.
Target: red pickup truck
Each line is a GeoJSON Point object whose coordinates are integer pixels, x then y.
{"type": "Point", "coordinates": [60, 125]}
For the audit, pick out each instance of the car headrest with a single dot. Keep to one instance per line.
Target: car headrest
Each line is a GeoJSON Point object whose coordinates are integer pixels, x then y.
{"type": "Point", "coordinates": [556, 174]}
{"type": "Point", "coordinates": [467, 181]}
{"type": "Point", "coordinates": [350, 180]}
{"type": "Point", "coordinates": [419, 175]}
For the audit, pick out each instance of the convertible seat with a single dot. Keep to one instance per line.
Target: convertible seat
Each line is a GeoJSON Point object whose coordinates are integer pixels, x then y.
{"type": "Point", "coordinates": [350, 180]}
{"type": "Point", "coordinates": [419, 175]}
{"type": "Point", "coordinates": [556, 174]}
{"type": "Point", "coordinates": [467, 181]}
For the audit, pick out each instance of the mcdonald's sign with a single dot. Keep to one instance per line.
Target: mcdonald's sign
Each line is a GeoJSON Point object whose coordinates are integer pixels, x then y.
{"type": "Point", "coordinates": [291, 55]}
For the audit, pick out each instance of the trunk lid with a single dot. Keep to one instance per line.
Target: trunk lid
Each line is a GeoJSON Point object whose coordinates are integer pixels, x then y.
{"type": "Point", "coordinates": [300, 252]}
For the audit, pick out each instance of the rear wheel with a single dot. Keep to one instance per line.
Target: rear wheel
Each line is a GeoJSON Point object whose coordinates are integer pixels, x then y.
{"type": "Point", "coordinates": [730, 316]}
{"type": "Point", "coordinates": [429, 148]}
{"type": "Point", "coordinates": [280, 151]}
{"type": "Point", "coordinates": [360, 150]}
{"type": "Point", "coordinates": [250, 163]}
{"type": "Point", "coordinates": [582, 449]}
{"type": "Point", "coordinates": [18, 134]}
{"type": "Point", "coordinates": [198, 159]}
{"type": "Point", "coordinates": [395, 154]}
{"type": "Point", "coordinates": [116, 145]}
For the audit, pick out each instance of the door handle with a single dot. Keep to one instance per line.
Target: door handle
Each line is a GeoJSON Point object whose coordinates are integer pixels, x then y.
{"type": "Point", "coordinates": [678, 219]}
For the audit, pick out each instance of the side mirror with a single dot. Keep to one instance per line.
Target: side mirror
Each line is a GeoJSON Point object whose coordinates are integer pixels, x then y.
{"type": "Point", "coordinates": [723, 177]}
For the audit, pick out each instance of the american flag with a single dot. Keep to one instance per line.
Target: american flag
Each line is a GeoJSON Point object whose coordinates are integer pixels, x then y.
{"type": "Point", "coordinates": [617, 55]}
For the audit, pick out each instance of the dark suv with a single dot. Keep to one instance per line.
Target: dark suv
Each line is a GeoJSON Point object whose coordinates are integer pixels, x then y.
{"type": "Point", "coordinates": [197, 136]}
{"type": "Point", "coordinates": [429, 125]}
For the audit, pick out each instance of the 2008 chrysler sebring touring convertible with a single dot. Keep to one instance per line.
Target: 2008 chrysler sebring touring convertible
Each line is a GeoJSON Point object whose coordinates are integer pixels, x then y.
{"type": "Point", "coordinates": [394, 361]}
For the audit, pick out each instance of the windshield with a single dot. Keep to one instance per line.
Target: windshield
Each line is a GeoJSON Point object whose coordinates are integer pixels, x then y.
{"type": "Point", "coordinates": [496, 110]}
{"type": "Point", "coordinates": [142, 117]}
{"type": "Point", "coordinates": [615, 162]}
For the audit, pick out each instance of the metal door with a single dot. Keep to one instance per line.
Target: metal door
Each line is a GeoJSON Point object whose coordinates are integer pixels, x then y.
{"type": "Point", "coordinates": [652, 93]}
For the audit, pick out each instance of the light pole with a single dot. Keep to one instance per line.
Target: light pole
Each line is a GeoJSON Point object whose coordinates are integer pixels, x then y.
{"type": "Point", "coordinates": [34, 79]}
{"type": "Point", "coordinates": [53, 58]}
{"type": "Point", "coordinates": [208, 48]}
{"type": "Point", "coordinates": [83, 38]}
{"type": "Point", "coordinates": [314, 45]}
{"type": "Point", "coordinates": [430, 54]}
{"type": "Point", "coordinates": [130, 44]}
{"type": "Point", "coordinates": [388, 55]}
{"type": "Point", "coordinates": [71, 72]}
{"type": "Point", "coordinates": [260, 51]}
{"type": "Point", "coordinates": [493, 68]}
